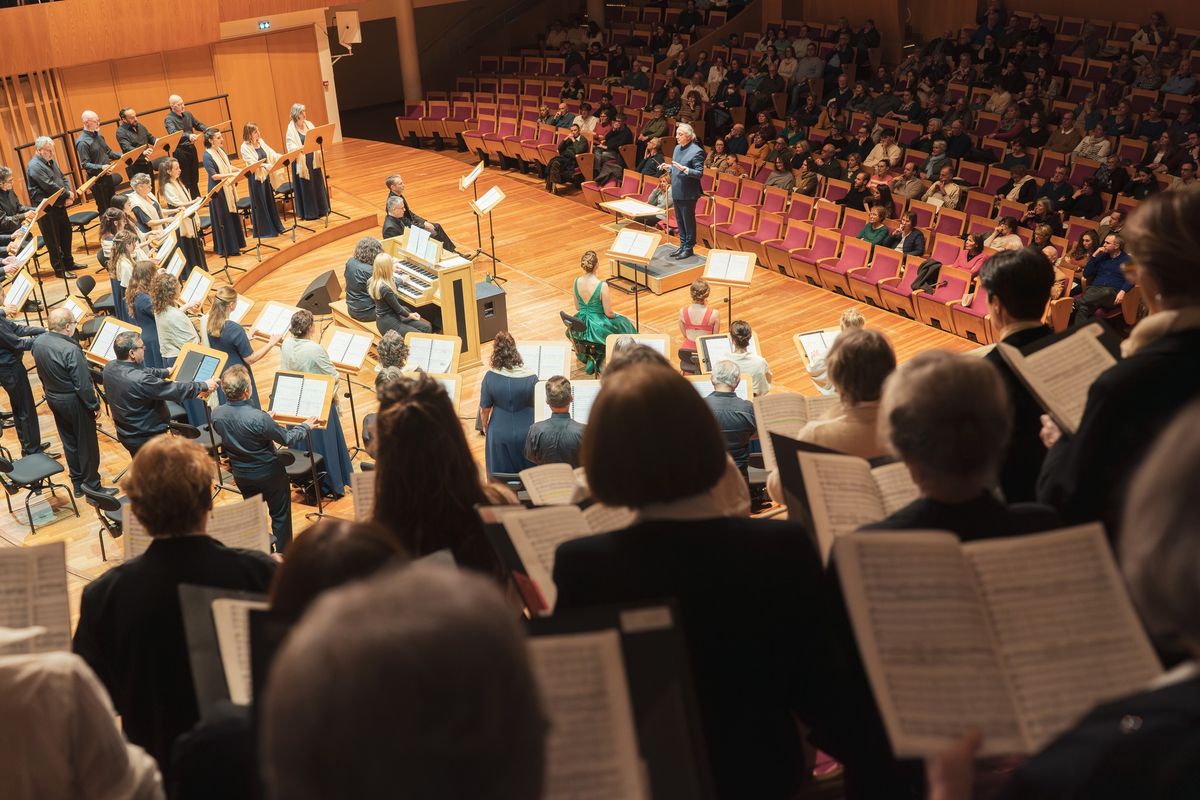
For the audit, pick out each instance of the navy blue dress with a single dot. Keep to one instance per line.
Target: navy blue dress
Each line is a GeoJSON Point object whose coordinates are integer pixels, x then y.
{"type": "Point", "coordinates": [118, 297]}
{"type": "Point", "coordinates": [143, 317]}
{"type": "Point", "coordinates": [228, 236]}
{"type": "Point", "coordinates": [263, 213]}
{"type": "Point", "coordinates": [234, 342]}
{"type": "Point", "coordinates": [311, 202]}
{"type": "Point", "coordinates": [511, 401]}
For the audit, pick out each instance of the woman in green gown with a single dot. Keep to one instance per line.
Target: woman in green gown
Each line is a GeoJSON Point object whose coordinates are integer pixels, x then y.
{"type": "Point", "coordinates": [594, 307]}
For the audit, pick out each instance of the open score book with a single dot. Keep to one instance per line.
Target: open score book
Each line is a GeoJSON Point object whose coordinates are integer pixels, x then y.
{"type": "Point", "coordinates": [787, 413]}
{"type": "Point", "coordinates": [1018, 637]}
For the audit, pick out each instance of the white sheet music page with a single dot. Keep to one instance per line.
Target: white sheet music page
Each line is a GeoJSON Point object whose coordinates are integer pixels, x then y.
{"type": "Point", "coordinates": [718, 265]}
{"type": "Point", "coordinates": [20, 287]}
{"type": "Point", "coordinates": [245, 525]}
{"type": "Point", "coordinates": [239, 310]}
{"type": "Point", "coordinates": [1062, 373]}
{"type": "Point", "coordinates": [288, 390]}
{"type": "Point", "coordinates": [550, 484]}
{"type": "Point", "coordinates": [717, 349]}
{"type": "Point", "coordinates": [338, 344]}
{"type": "Point", "coordinates": [896, 487]}
{"type": "Point", "coordinates": [362, 492]}
{"type": "Point", "coordinates": [33, 592]}
{"type": "Point", "coordinates": [779, 412]}
{"type": "Point", "coordinates": [536, 534]}
{"type": "Point", "coordinates": [591, 752]}
{"type": "Point", "coordinates": [76, 310]}
{"type": "Point", "coordinates": [441, 355]}
{"type": "Point", "coordinates": [585, 393]}
{"type": "Point", "coordinates": [704, 386]}
{"type": "Point", "coordinates": [1066, 629]}
{"type": "Point", "coordinates": [274, 319]}
{"type": "Point", "coordinates": [313, 401]}
{"type": "Point", "coordinates": [102, 345]}
{"type": "Point", "coordinates": [356, 350]}
{"type": "Point", "coordinates": [196, 288]}
{"type": "Point", "coordinates": [231, 619]}
{"type": "Point", "coordinates": [925, 641]}
{"type": "Point", "coordinates": [419, 350]}
{"type": "Point", "coordinates": [602, 519]}
{"type": "Point", "coordinates": [817, 343]}
{"type": "Point", "coordinates": [842, 495]}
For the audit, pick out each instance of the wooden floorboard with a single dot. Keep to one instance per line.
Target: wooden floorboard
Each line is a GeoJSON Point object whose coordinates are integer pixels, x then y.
{"type": "Point", "coordinates": [539, 239]}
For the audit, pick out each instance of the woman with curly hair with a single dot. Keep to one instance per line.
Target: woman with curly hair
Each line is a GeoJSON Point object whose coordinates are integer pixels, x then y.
{"type": "Point", "coordinates": [506, 407]}
{"type": "Point", "coordinates": [141, 310]}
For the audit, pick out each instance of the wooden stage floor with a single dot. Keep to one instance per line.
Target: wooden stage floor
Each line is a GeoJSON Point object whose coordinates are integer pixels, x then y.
{"type": "Point", "coordinates": [539, 238]}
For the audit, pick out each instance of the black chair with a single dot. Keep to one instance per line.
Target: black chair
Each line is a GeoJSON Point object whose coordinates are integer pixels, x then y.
{"type": "Point", "coordinates": [80, 220]}
{"type": "Point", "coordinates": [32, 474]}
{"type": "Point", "coordinates": [110, 511]}
{"type": "Point", "coordinates": [244, 209]}
{"type": "Point", "coordinates": [86, 284]}
{"type": "Point", "coordinates": [583, 348]}
{"type": "Point", "coordinates": [210, 440]}
{"type": "Point", "coordinates": [689, 362]}
{"type": "Point", "coordinates": [300, 471]}
{"type": "Point", "coordinates": [286, 195]}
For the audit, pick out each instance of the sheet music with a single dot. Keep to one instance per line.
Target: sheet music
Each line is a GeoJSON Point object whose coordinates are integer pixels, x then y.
{"type": "Point", "coordinates": [779, 412]}
{"type": "Point", "coordinates": [231, 618]}
{"type": "Point", "coordinates": [244, 524]}
{"type": "Point", "coordinates": [536, 534]}
{"type": "Point", "coordinates": [704, 386]}
{"type": "Point", "coordinates": [297, 396]}
{"type": "Point", "coordinates": [896, 487]}
{"type": "Point", "coordinates": [817, 343]}
{"type": "Point", "coordinates": [718, 348]}
{"type": "Point", "coordinates": [465, 181]}
{"type": "Point", "coordinates": [633, 242]}
{"type": "Point", "coordinates": [26, 252]}
{"type": "Point", "coordinates": [450, 384]}
{"type": "Point", "coordinates": [421, 245]}
{"type": "Point", "coordinates": [585, 393]}
{"type": "Point", "coordinates": [602, 519]}
{"type": "Point", "coordinates": [76, 310]}
{"type": "Point", "coordinates": [196, 288]}
{"type": "Point", "coordinates": [274, 319]}
{"type": "Point", "coordinates": [545, 359]}
{"type": "Point", "coordinates": [175, 264]}
{"type": "Point", "coordinates": [924, 637]}
{"type": "Point", "coordinates": [362, 492]}
{"type": "Point", "coordinates": [591, 751]}
{"type": "Point", "coordinates": [33, 591]}
{"type": "Point", "coordinates": [240, 308]}
{"type": "Point", "coordinates": [347, 347]}
{"type": "Point", "coordinates": [718, 264]}
{"type": "Point", "coordinates": [429, 354]}
{"type": "Point", "coordinates": [164, 247]}
{"type": "Point", "coordinates": [842, 495]}
{"type": "Point", "coordinates": [207, 369]}
{"type": "Point", "coordinates": [490, 199]}
{"type": "Point", "coordinates": [102, 344]}
{"type": "Point", "coordinates": [1062, 373]}
{"type": "Point", "coordinates": [550, 484]}
{"type": "Point", "coordinates": [1058, 608]}
{"type": "Point", "coordinates": [18, 290]}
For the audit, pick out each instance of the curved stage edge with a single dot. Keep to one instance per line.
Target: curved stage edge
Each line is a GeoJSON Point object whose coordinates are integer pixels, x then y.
{"type": "Point", "coordinates": [291, 251]}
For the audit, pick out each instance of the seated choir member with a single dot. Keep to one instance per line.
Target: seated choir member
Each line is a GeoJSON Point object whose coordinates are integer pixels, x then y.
{"type": "Point", "coordinates": [735, 416]}
{"type": "Point", "coordinates": [262, 182]}
{"type": "Point", "coordinates": [1018, 285]}
{"type": "Point", "coordinates": [858, 363]}
{"type": "Point", "coordinates": [390, 313]}
{"type": "Point", "coordinates": [1146, 744]}
{"type": "Point", "coordinates": [356, 276]}
{"type": "Point", "coordinates": [249, 435]}
{"type": "Point", "coordinates": [754, 675]}
{"type": "Point", "coordinates": [308, 174]}
{"type": "Point", "coordinates": [303, 352]}
{"type": "Point", "coordinates": [1085, 474]}
{"type": "Point", "coordinates": [415, 683]}
{"type": "Point", "coordinates": [395, 185]}
{"type": "Point", "coordinates": [750, 364]}
{"type": "Point", "coordinates": [227, 233]}
{"type": "Point", "coordinates": [555, 440]}
{"type": "Point", "coordinates": [436, 510]}
{"type": "Point", "coordinates": [948, 418]}
{"type": "Point", "coordinates": [130, 628]}
{"type": "Point", "coordinates": [817, 366]}
{"type": "Point", "coordinates": [61, 737]}
{"type": "Point", "coordinates": [175, 195]}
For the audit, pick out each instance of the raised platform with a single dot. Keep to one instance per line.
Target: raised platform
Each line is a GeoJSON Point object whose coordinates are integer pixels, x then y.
{"type": "Point", "coordinates": [290, 251]}
{"type": "Point", "coordinates": [662, 274]}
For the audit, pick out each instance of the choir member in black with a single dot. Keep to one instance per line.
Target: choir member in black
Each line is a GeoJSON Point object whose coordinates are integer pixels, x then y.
{"type": "Point", "coordinates": [147, 211]}
{"type": "Point", "coordinates": [62, 369]}
{"type": "Point", "coordinates": [44, 177]}
{"type": "Point", "coordinates": [175, 195]}
{"type": "Point", "coordinates": [180, 119]}
{"type": "Point", "coordinates": [136, 393]}
{"type": "Point", "coordinates": [13, 213]}
{"type": "Point", "coordinates": [250, 435]}
{"type": "Point", "coordinates": [356, 276]}
{"type": "Point", "coordinates": [94, 156]}
{"type": "Point", "coordinates": [133, 135]}
{"type": "Point", "coordinates": [308, 175]}
{"type": "Point", "coordinates": [261, 182]}
{"type": "Point", "coordinates": [228, 236]}
{"type": "Point", "coordinates": [15, 339]}
{"type": "Point", "coordinates": [395, 185]}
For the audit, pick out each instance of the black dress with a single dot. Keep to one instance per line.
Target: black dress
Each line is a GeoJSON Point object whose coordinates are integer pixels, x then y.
{"type": "Point", "coordinates": [263, 213]}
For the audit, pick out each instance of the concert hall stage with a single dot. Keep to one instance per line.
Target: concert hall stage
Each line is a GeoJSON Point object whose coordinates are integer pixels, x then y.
{"type": "Point", "coordinates": [663, 274]}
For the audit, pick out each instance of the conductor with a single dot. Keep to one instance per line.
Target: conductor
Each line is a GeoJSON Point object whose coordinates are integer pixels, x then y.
{"type": "Point", "coordinates": [136, 393]}
{"type": "Point", "coordinates": [687, 165]}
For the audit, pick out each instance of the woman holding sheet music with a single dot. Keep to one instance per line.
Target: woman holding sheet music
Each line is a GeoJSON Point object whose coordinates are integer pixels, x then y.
{"type": "Point", "coordinates": [175, 329]}
{"type": "Point", "coordinates": [262, 181]}
{"type": "Point", "coordinates": [120, 268]}
{"type": "Point", "coordinates": [219, 332]}
{"type": "Point", "coordinates": [141, 310]}
{"type": "Point", "coordinates": [302, 352]}
{"type": "Point", "coordinates": [144, 206]}
{"type": "Point", "coordinates": [307, 173]}
{"type": "Point", "coordinates": [506, 407]}
{"type": "Point", "coordinates": [176, 195]}
{"type": "Point", "coordinates": [228, 236]}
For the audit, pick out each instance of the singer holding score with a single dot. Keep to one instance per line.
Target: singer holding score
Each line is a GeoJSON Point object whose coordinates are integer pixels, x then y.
{"type": "Point", "coordinates": [686, 167]}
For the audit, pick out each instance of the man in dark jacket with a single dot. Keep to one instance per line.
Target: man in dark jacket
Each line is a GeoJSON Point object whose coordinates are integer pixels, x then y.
{"type": "Point", "coordinates": [556, 440]}
{"type": "Point", "coordinates": [95, 156]}
{"type": "Point", "coordinates": [15, 339]}
{"type": "Point", "coordinates": [44, 177]}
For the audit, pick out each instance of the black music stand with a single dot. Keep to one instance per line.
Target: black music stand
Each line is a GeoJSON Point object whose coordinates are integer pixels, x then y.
{"type": "Point", "coordinates": [320, 139]}
{"type": "Point", "coordinates": [287, 162]}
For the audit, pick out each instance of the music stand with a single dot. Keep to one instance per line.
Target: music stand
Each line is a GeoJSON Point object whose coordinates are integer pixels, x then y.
{"type": "Point", "coordinates": [285, 163]}
{"type": "Point", "coordinates": [38, 213]}
{"type": "Point", "coordinates": [485, 205]}
{"type": "Point", "coordinates": [314, 141]}
{"type": "Point", "coordinates": [164, 146]}
{"type": "Point", "coordinates": [348, 351]}
{"type": "Point", "coordinates": [218, 187]}
{"type": "Point", "coordinates": [244, 172]}
{"type": "Point", "coordinates": [729, 268]}
{"type": "Point", "coordinates": [469, 180]}
{"type": "Point", "coordinates": [636, 248]}
{"type": "Point", "coordinates": [322, 420]}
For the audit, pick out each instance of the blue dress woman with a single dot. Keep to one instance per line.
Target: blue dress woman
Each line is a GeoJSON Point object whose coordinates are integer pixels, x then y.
{"type": "Point", "coordinates": [308, 174]}
{"type": "Point", "coordinates": [141, 311]}
{"type": "Point", "coordinates": [264, 215]}
{"type": "Point", "coordinates": [594, 306]}
{"type": "Point", "coordinates": [228, 236]}
{"type": "Point", "coordinates": [506, 407]}
{"type": "Point", "coordinates": [219, 332]}
{"type": "Point", "coordinates": [301, 352]}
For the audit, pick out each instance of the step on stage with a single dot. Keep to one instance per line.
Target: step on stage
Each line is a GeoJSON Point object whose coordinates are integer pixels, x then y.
{"type": "Point", "coordinates": [661, 275]}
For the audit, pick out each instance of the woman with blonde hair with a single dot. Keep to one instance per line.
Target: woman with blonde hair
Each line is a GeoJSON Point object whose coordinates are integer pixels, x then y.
{"type": "Point", "coordinates": [219, 332]}
{"type": "Point", "coordinates": [176, 196]}
{"type": "Point", "coordinates": [262, 182]}
{"type": "Point", "coordinates": [120, 269]}
{"type": "Point", "coordinates": [228, 237]}
{"type": "Point", "coordinates": [141, 310]}
{"type": "Point", "coordinates": [597, 311]}
{"type": "Point", "coordinates": [308, 175]}
{"type": "Point", "coordinates": [390, 313]}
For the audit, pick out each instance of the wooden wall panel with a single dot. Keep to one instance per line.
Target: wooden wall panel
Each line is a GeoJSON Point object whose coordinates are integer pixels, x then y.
{"type": "Point", "coordinates": [191, 75]}
{"type": "Point", "coordinates": [230, 10]}
{"type": "Point", "coordinates": [89, 87]}
{"type": "Point", "coordinates": [296, 74]}
{"type": "Point", "coordinates": [141, 82]}
{"type": "Point", "coordinates": [243, 69]}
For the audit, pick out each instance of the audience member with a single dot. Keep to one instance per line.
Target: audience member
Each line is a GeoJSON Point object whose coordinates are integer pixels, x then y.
{"type": "Point", "coordinates": [1107, 281]}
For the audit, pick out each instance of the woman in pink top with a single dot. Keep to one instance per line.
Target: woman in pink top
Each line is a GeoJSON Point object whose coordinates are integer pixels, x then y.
{"type": "Point", "coordinates": [698, 319]}
{"type": "Point", "coordinates": [972, 256]}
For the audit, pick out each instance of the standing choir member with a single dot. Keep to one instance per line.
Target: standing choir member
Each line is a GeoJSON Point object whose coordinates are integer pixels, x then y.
{"type": "Point", "coordinates": [95, 156]}
{"type": "Point", "coordinates": [133, 135]}
{"type": "Point", "coordinates": [141, 310]}
{"type": "Point", "coordinates": [175, 329]}
{"type": "Point", "coordinates": [506, 407]}
{"type": "Point", "coordinates": [146, 210]}
{"type": "Point", "coordinates": [180, 119]}
{"type": "Point", "coordinates": [15, 339]}
{"type": "Point", "coordinates": [43, 177]}
{"type": "Point", "coordinates": [307, 173]}
{"type": "Point", "coordinates": [302, 352]}
{"type": "Point", "coordinates": [176, 196]}
{"type": "Point", "coordinates": [13, 213]}
{"type": "Point", "coordinates": [228, 237]}
{"type": "Point", "coordinates": [263, 213]}
{"type": "Point", "coordinates": [219, 332]}
{"type": "Point", "coordinates": [390, 313]}
{"type": "Point", "coordinates": [687, 165]}
{"type": "Point", "coordinates": [120, 268]}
